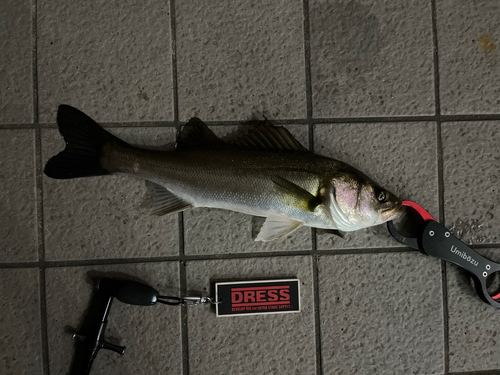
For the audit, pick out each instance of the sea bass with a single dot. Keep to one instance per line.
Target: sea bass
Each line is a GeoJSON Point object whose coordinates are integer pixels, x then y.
{"type": "Point", "coordinates": [266, 172]}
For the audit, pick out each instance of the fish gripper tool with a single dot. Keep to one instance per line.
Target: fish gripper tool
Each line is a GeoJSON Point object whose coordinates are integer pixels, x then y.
{"type": "Point", "coordinates": [434, 240]}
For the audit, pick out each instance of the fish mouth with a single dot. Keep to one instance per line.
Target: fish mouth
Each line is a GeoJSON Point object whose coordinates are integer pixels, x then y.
{"type": "Point", "coordinates": [392, 213]}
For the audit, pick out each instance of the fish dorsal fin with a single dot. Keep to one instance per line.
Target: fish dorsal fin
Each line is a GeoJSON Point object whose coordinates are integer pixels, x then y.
{"type": "Point", "coordinates": [165, 202]}
{"type": "Point", "coordinates": [196, 133]}
{"type": "Point", "coordinates": [266, 136]}
{"type": "Point", "coordinates": [277, 227]}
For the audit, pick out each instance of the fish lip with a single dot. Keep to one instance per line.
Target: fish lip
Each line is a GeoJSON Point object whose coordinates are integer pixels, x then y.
{"type": "Point", "coordinates": [393, 213]}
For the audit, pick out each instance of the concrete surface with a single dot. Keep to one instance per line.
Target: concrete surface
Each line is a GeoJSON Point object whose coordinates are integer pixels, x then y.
{"type": "Point", "coordinates": [407, 92]}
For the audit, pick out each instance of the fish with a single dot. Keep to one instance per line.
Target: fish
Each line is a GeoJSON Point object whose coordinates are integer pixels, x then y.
{"type": "Point", "coordinates": [265, 172]}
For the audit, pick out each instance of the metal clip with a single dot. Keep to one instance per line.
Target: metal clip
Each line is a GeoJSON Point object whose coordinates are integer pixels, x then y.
{"type": "Point", "coordinates": [186, 301]}
{"type": "Point", "coordinates": [191, 301]}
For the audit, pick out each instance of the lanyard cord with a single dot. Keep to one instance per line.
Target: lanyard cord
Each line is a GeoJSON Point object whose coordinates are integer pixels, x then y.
{"type": "Point", "coordinates": [173, 301]}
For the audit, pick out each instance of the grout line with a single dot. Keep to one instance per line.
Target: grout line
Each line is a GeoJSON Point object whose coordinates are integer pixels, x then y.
{"type": "Point", "coordinates": [464, 117]}
{"type": "Point", "coordinates": [39, 192]}
{"type": "Point", "coordinates": [311, 136]}
{"type": "Point", "coordinates": [436, 61]}
{"type": "Point", "coordinates": [320, 120]}
{"type": "Point", "coordinates": [39, 195]}
{"type": "Point", "coordinates": [379, 250]}
{"type": "Point", "coordinates": [485, 246]}
{"type": "Point", "coordinates": [34, 61]}
{"type": "Point", "coordinates": [184, 320]}
{"type": "Point", "coordinates": [133, 124]}
{"type": "Point", "coordinates": [314, 241]}
{"type": "Point", "coordinates": [335, 120]}
{"type": "Point", "coordinates": [180, 216]}
{"type": "Point", "coordinates": [314, 247]}
{"type": "Point", "coordinates": [43, 321]}
{"type": "Point", "coordinates": [446, 335]}
{"type": "Point", "coordinates": [183, 288]}
{"type": "Point", "coordinates": [173, 37]}
{"type": "Point", "coordinates": [137, 124]}
{"type": "Point", "coordinates": [19, 126]}
{"type": "Point", "coordinates": [40, 264]}
{"type": "Point", "coordinates": [440, 172]}
{"type": "Point", "coordinates": [479, 372]}
{"type": "Point", "coordinates": [89, 262]}
{"type": "Point", "coordinates": [317, 317]}
{"type": "Point", "coordinates": [177, 258]}
{"type": "Point", "coordinates": [180, 221]}
{"type": "Point", "coordinates": [438, 116]}
{"type": "Point", "coordinates": [444, 284]}
{"type": "Point", "coordinates": [440, 177]}
{"type": "Point", "coordinates": [307, 58]}
{"type": "Point", "coordinates": [296, 121]}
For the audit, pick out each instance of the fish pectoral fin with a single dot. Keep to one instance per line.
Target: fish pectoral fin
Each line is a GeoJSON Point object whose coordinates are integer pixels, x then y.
{"type": "Point", "coordinates": [330, 231]}
{"type": "Point", "coordinates": [298, 197]}
{"type": "Point", "coordinates": [165, 202]}
{"type": "Point", "coordinates": [277, 227]}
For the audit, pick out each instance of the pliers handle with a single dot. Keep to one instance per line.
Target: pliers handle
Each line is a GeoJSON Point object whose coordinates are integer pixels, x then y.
{"type": "Point", "coordinates": [435, 240]}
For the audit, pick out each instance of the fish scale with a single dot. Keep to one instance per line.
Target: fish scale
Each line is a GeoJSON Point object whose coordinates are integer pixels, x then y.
{"type": "Point", "coordinates": [249, 189]}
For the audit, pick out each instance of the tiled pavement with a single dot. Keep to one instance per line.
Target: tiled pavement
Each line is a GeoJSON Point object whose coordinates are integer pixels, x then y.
{"type": "Point", "coordinates": [406, 91]}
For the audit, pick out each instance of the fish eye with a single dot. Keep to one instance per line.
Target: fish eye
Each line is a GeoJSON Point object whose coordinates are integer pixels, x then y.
{"type": "Point", "coordinates": [382, 197]}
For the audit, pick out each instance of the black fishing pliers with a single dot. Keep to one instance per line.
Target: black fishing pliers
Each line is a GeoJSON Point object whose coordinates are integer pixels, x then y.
{"type": "Point", "coordinates": [432, 239]}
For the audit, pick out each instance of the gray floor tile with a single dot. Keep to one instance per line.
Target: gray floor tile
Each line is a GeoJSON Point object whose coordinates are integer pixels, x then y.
{"type": "Point", "coordinates": [20, 346]}
{"type": "Point", "coordinates": [381, 313]}
{"type": "Point", "coordinates": [16, 76]}
{"type": "Point", "coordinates": [18, 229]}
{"type": "Point", "coordinates": [473, 325]}
{"type": "Point", "coordinates": [371, 59]}
{"type": "Point", "coordinates": [238, 59]}
{"type": "Point", "coordinates": [468, 63]}
{"type": "Point", "coordinates": [105, 217]}
{"type": "Point", "coordinates": [100, 56]}
{"type": "Point", "coordinates": [150, 333]}
{"type": "Point", "coordinates": [471, 169]}
{"type": "Point", "coordinates": [268, 344]}
{"type": "Point", "coordinates": [214, 231]}
{"type": "Point", "coordinates": [400, 157]}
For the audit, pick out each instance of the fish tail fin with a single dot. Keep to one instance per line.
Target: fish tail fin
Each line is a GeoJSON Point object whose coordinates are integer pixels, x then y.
{"type": "Point", "coordinates": [84, 146]}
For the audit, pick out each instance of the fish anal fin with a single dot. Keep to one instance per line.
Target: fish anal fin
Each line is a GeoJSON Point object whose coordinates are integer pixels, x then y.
{"type": "Point", "coordinates": [164, 201]}
{"type": "Point", "coordinates": [196, 133]}
{"type": "Point", "coordinates": [295, 195]}
{"type": "Point", "coordinates": [277, 227]}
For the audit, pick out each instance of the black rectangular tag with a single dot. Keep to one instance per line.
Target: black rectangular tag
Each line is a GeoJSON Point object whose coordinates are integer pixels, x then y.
{"type": "Point", "coordinates": [257, 297]}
